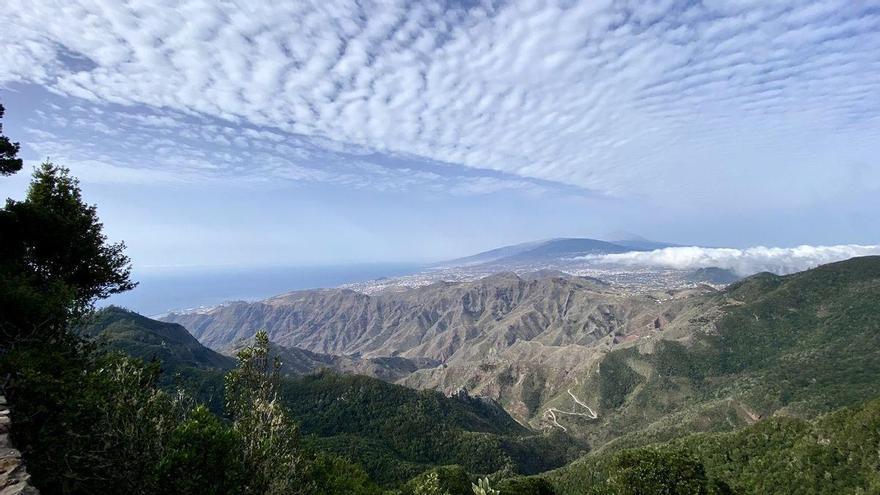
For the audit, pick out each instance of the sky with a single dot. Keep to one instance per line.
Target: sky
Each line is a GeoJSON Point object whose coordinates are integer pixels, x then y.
{"type": "Point", "coordinates": [282, 133]}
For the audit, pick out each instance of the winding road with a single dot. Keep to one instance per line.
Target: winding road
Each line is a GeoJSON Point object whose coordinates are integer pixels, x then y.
{"type": "Point", "coordinates": [551, 413]}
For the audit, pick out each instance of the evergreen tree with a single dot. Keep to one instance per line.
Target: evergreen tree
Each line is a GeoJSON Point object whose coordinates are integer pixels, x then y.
{"type": "Point", "coordinates": [55, 261]}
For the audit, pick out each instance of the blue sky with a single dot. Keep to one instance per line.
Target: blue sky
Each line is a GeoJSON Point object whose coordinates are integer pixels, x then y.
{"type": "Point", "coordinates": [211, 133]}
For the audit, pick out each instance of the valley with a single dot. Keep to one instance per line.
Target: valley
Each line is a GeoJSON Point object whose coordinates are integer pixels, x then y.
{"type": "Point", "coordinates": [536, 371]}
{"type": "Point", "coordinates": [610, 367]}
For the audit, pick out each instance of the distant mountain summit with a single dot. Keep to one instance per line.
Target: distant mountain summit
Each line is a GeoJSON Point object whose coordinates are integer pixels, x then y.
{"type": "Point", "coordinates": [549, 250]}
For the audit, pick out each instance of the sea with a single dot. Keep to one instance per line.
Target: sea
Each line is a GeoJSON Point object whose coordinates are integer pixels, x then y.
{"type": "Point", "coordinates": [174, 289]}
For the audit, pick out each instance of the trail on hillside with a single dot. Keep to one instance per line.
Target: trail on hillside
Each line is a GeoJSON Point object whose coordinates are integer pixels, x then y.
{"type": "Point", "coordinates": [551, 412]}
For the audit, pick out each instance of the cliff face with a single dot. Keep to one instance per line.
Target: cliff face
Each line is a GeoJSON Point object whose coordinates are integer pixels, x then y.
{"type": "Point", "coordinates": [14, 479]}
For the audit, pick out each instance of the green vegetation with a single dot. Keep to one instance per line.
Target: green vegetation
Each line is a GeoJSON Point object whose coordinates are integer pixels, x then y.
{"type": "Point", "coordinates": [801, 345]}
{"type": "Point", "coordinates": [396, 432]}
{"type": "Point", "coordinates": [147, 339]}
{"type": "Point", "coordinates": [835, 454]}
{"type": "Point", "coordinates": [95, 422]}
{"type": "Point", "coordinates": [9, 160]}
{"type": "Point", "coordinates": [54, 259]}
{"type": "Point", "coordinates": [89, 420]}
{"type": "Point", "coordinates": [616, 380]}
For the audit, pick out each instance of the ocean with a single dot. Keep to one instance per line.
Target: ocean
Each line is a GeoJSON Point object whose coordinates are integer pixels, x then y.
{"type": "Point", "coordinates": [186, 288]}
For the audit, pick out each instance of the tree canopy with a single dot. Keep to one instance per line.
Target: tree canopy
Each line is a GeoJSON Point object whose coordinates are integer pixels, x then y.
{"type": "Point", "coordinates": [55, 260]}
{"type": "Point", "coordinates": [10, 163]}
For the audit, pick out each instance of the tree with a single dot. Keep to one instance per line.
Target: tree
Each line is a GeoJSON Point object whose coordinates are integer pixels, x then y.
{"type": "Point", "coordinates": [649, 470]}
{"type": "Point", "coordinates": [201, 457]}
{"type": "Point", "coordinates": [55, 261]}
{"type": "Point", "coordinates": [269, 438]}
{"type": "Point", "coordinates": [9, 161]}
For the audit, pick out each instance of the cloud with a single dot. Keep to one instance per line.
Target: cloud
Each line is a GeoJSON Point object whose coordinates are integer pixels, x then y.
{"type": "Point", "coordinates": [142, 146]}
{"type": "Point", "coordinates": [741, 261]}
{"type": "Point", "coordinates": [623, 97]}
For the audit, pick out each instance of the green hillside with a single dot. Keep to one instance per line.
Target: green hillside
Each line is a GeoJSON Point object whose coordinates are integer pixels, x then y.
{"type": "Point", "coordinates": [149, 339]}
{"type": "Point", "coordinates": [393, 431]}
{"type": "Point", "coordinates": [799, 345]}
{"type": "Point", "coordinates": [396, 432]}
{"type": "Point", "coordinates": [834, 454]}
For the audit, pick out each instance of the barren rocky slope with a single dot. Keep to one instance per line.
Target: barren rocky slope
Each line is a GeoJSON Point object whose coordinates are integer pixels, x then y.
{"type": "Point", "coordinates": [446, 322]}
{"type": "Point", "coordinates": [518, 340]}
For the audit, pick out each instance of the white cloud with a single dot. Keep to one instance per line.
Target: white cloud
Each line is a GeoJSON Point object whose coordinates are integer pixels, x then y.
{"type": "Point", "coordinates": [741, 261]}
{"type": "Point", "coordinates": [623, 97]}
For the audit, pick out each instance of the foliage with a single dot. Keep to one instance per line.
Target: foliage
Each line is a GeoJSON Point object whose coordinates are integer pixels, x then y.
{"type": "Point", "coordinates": [429, 485]}
{"type": "Point", "coordinates": [836, 453]}
{"type": "Point", "coordinates": [481, 487]}
{"type": "Point", "coordinates": [55, 260]}
{"type": "Point", "coordinates": [88, 422]}
{"type": "Point", "coordinates": [654, 471]}
{"type": "Point", "coordinates": [148, 339]}
{"type": "Point", "coordinates": [92, 421]}
{"type": "Point", "coordinates": [269, 438]}
{"type": "Point", "coordinates": [616, 380]}
{"type": "Point", "coordinates": [444, 480]}
{"type": "Point", "coordinates": [525, 486]}
{"type": "Point", "coordinates": [9, 161]}
{"type": "Point", "coordinates": [332, 475]}
{"type": "Point", "coordinates": [194, 451]}
{"type": "Point", "coordinates": [395, 432]}
{"type": "Point", "coordinates": [802, 345]}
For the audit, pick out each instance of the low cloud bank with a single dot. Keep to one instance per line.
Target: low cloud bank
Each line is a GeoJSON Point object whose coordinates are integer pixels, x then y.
{"type": "Point", "coordinates": [741, 261]}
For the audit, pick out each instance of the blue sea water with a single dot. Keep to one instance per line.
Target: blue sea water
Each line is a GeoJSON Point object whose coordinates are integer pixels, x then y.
{"type": "Point", "coordinates": [174, 289]}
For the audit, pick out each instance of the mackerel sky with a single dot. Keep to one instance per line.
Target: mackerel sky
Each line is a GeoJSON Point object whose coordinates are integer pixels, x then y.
{"type": "Point", "coordinates": [315, 132]}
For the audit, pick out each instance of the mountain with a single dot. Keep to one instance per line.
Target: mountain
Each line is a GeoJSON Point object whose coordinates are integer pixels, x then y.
{"type": "Point", "coordinates": [541, 251]}
{"type": "Point", "coordinates": [177, 349]}
{"type": "Point", "coordinates": [517, 340]}
{"type": "Point", "coordinates": [752, 368]}
{"type": "Point", "coordinates": [493, 254]}
{"type": "Point", "coordinates": [445, 322]}
{"type": "Point", "coordinates": [635, 241]}
{"type": "Point", "coordinates": [640, 244]}
{"type": "Point", "coordinates": [150, 339]}
{"type": "Point", "coordinates": [797, 345]}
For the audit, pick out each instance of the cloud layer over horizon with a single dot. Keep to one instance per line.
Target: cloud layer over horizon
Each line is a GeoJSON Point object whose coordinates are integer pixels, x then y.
{"type": "Point", "coordinates": [780, 261]}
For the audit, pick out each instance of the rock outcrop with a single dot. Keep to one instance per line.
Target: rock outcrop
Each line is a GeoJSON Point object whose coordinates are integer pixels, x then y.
{"type": "Point", "coordinates": [14, 479]}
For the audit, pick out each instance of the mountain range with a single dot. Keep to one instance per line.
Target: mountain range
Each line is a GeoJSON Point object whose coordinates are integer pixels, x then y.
{"type": "Point", "coordinates": [563, 365]}
{"type": "Point", "coordinates": [523, 341]}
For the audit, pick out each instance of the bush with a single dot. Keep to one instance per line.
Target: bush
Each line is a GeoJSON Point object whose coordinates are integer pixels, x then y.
{"type": "Point", "coordinates": [201, 456]}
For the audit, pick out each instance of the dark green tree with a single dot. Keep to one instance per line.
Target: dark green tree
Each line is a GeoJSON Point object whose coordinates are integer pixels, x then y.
{"type": "Point", "coordinates": [55, 261]}
{"type": "Point", "coordinates": [661, 472]}
{"type": "Point", "coordinates": [10, 163]}
{"type": "Point", "coordinates": [201, 457]}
